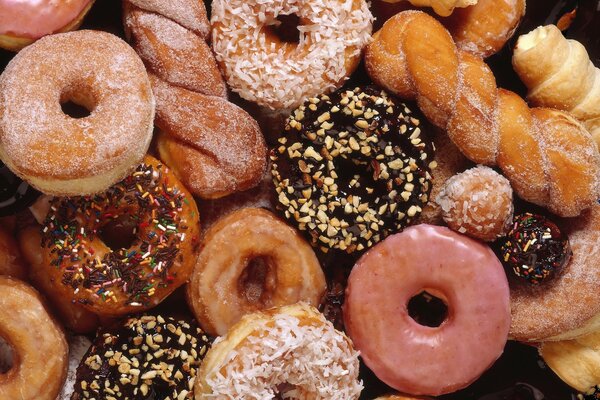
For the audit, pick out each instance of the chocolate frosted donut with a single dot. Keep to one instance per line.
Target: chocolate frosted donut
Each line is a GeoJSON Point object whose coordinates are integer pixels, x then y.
{"type": "Point", "coordinates": [148, 357]}
{"type": "Point", "coordinates": [352, 168]}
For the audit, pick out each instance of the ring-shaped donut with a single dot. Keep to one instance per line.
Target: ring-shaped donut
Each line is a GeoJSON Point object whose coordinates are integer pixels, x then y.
{"type": "Point", "coordinates": [462, 272]}
{"type": "Point", "coordinates": [250, 261]}
{"type": "Point", "coordinates": [40, 350]}
{"type": "Point", "coordinates": [263, 68]}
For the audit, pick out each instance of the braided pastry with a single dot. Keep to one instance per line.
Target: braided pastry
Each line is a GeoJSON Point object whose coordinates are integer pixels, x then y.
{"type": "Point", "coordinates": [549, 158]}
{"type": "Point", "coordinates": [214, 147]}
{"type": "Point", "coordinates": [560, 74]}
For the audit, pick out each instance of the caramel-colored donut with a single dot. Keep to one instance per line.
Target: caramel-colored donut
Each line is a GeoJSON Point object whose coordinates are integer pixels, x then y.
{"type": "Point", "coordinates": [62, 155]}
{"type": "Point", "coordinates": [39, 345]}
{"type": "Point", "coordinates": [82, 267]}
{"type": "Point", "coordinates": [11, 263]}
{"type": "Point", "coordinates": [225, 283]}
{"type": "Point", "coordinates": [276, 74]}
{"type": "Point", "coordinates": [23, 22]}
{"type": "Point", "coordinates": [267, 352]}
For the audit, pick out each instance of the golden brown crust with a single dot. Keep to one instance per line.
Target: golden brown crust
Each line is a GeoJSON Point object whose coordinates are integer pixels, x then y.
{"type": "Point", "coordinates": [172, 52]}
{"type": "Point", "coordinates": [457, 91]}
{"type": "Point", "coordinates": [213, 146]}
{"type": "Point", "coordinates": [39, 344]}
{"type": "Point", "coordinates": [11, 262]}
{"type": "Point", "coordinates": [217, 292]}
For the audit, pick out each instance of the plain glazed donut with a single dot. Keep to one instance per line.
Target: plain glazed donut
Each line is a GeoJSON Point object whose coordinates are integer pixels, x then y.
{"type": "Point", "coordinates": [40, 350]}
{"type": "Point", "coordinates": [276, 74]}
{"type": "Point", "coordinates": [95, 70]}
{"type": "Point", "coordinates": [462, 272]}
{"type": "Point", "coordinates": [292, 351]}
{"type": "Point", "coordinates": [250, 261]}
{"type": "Point", "coordinates": [164, 226]}
{"type": "Point", "coordinates": [23, 22]}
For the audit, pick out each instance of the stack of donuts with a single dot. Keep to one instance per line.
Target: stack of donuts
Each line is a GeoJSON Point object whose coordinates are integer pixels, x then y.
{"type": "Point", "coordinates": [290, 200]}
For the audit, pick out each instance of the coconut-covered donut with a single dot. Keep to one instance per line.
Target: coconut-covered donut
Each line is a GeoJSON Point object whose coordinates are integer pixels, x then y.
{"type": "Point", "coordinates": [250, 260]}
{"type": "Point", "coordinates": [40, 350]}
{"type": "Point", "coordinates": [352, 168]}
{"type": "Point", "coordinates": [290, 352]}
{"type": "Point", "coordinates": [280, 74]}
{"type": "Point", "coordinates": [24, 21]}
{"type": "Point", "coordinates": [151, 210]}
{"type": "Point", "coordinates": [62, 154]}
{"type": "Point", "coordinates": [147, 357]}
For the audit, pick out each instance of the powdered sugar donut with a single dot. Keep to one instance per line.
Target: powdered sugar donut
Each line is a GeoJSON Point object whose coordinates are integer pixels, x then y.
{"type": "Point", "coordinates": [279, 74]}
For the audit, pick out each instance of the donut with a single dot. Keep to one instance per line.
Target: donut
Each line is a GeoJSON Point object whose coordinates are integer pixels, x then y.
{"type": "Point", "coordinates": [24, 21]}
{"type": "Point", "coordinates": [567, 306]}
{"type": "Point", "coordinates": [478, 203]}
{"type": "Point", "coordinates": [286, 352]}
{"type": "Point", "coordinates": [78, 346]}
{"type": "Point", "coordinates": [279, 73]}
{"type": "Point", "coordinates": [443, 357]}
{"type": "Point", "coordinates": [151, 210]}
{"type": "Point", "coordinates": [250, 260]}
{"type": "Point", "coordinates": [11, 262]}
{"type": "Point", "coordinates": [73, 316]}
{"type": "Point", "coordinates": [213, 146]}
{"type": "Point", "coordinates": [92, 69]}
{"type": "Point", "coordinates": [146, 357]}
{"type": "Point", "coordinates": [535, 249]}
{"type": "Point", "coordinates": [15, 195]}
{"type": "Point", "coordinates": [352, 168]}
{"type": "Point", "coordinates": [39, 346]}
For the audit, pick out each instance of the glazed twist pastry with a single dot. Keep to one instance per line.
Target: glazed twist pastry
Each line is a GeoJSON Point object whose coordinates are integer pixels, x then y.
{"type": "Point", "coordinates": [549, 158]}
{"type": "Point", "coordinates": [441, 7]}
{"type": "Point", "coordinates": [559, 73]}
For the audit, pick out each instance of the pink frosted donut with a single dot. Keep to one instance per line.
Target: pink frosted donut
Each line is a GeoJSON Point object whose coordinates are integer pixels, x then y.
{"type": "Point", "coordinates": [23, 21]}
{"type": "Point", "coordinates": [463, 273]}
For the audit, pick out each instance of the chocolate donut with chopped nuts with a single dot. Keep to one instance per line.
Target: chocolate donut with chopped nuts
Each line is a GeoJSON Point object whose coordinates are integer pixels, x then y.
{"type": "Point", "coordinates": [352, 168]}
{"type": "Point", "coordinates": [148, 357]}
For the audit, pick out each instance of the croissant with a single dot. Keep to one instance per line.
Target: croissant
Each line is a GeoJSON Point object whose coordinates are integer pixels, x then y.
{"type": "Point", "coordinates": [441, 7]}
{"type": "Point", "coordinates": [549, 157]}
{"type": "Point", "coordinates": [559, 73]}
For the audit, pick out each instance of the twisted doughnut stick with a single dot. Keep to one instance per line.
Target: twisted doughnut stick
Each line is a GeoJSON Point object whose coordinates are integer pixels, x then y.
{"type": "Point", "coordinates": [549, 158]}
{"type": "Point", "coordinates": [559, 73]}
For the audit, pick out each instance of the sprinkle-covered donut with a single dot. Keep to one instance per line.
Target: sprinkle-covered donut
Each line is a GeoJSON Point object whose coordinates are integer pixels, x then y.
{"type": "Point", "coordinates": [147, 357]}
{"type": "Point", "coordinates": [352, 168]}
{"type": "Point", "coordinates": [280, 74]}
{"type": "Point", "coordinates": [163, 231]}
{"type": "Point", "coordinates": [438, 358]}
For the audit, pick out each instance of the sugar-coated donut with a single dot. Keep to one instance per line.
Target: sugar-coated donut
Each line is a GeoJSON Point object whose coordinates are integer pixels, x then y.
{"type": "Point", "coordinates": [413, 358]}
{"type": "Point", "coordinates": [352, 168]}
{"type": "Point", "coordinates": [40, 351]}
{"type": "Point", "coordinates": [567, 306]}
{"type": "Point", "coordinates": [250, 261]}
{"type": "Point", "coordinates": [290, 352]}
{"type": "Point", "coordinates": [265, 69]}
{"type": "Point", "coordinates": [130, 278]}
{"type": "Point", "coordinates": [63, 155]}
{"type": "Point", "coordinates": [478, 203]}
{"type": "Point", "coordinates": [24, 21]}
{"type": "Point", "coordinates": [146, 357]}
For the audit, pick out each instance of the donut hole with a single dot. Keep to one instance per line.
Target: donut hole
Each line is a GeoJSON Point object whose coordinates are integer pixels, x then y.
{"type": "Point", "coordinates": [6, 356]}
{"type": "Point", "coordinates": [285, 28]}
{"type": "Point", "coordinates": [257, 281]}
{"type": "Point", "coordinates": [119, 233]}
{"type": "Point", "coordinates": [427, 310]}
{"type": "Point", "coordinates": [77, 103]}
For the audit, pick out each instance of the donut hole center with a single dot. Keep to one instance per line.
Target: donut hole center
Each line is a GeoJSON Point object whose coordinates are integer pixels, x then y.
{"type": "Point", "coordinates": [428, 310]}
{"type": "Point", "coordinates": [119, 233]}
{"type": "Point", "coordinates": [7, 356]}
{"type": "Point", "coordinates": [257, 281]}
{"type": "Point", "coordinates": [77, 103]}
{"type": "Point", "coordinates": [285, 28]}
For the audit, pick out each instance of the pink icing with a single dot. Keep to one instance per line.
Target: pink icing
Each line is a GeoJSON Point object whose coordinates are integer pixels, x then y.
{"type": "Point", "coordinates": [417, 359]}
{"type": "Point", "coordinates": [35, 18]}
